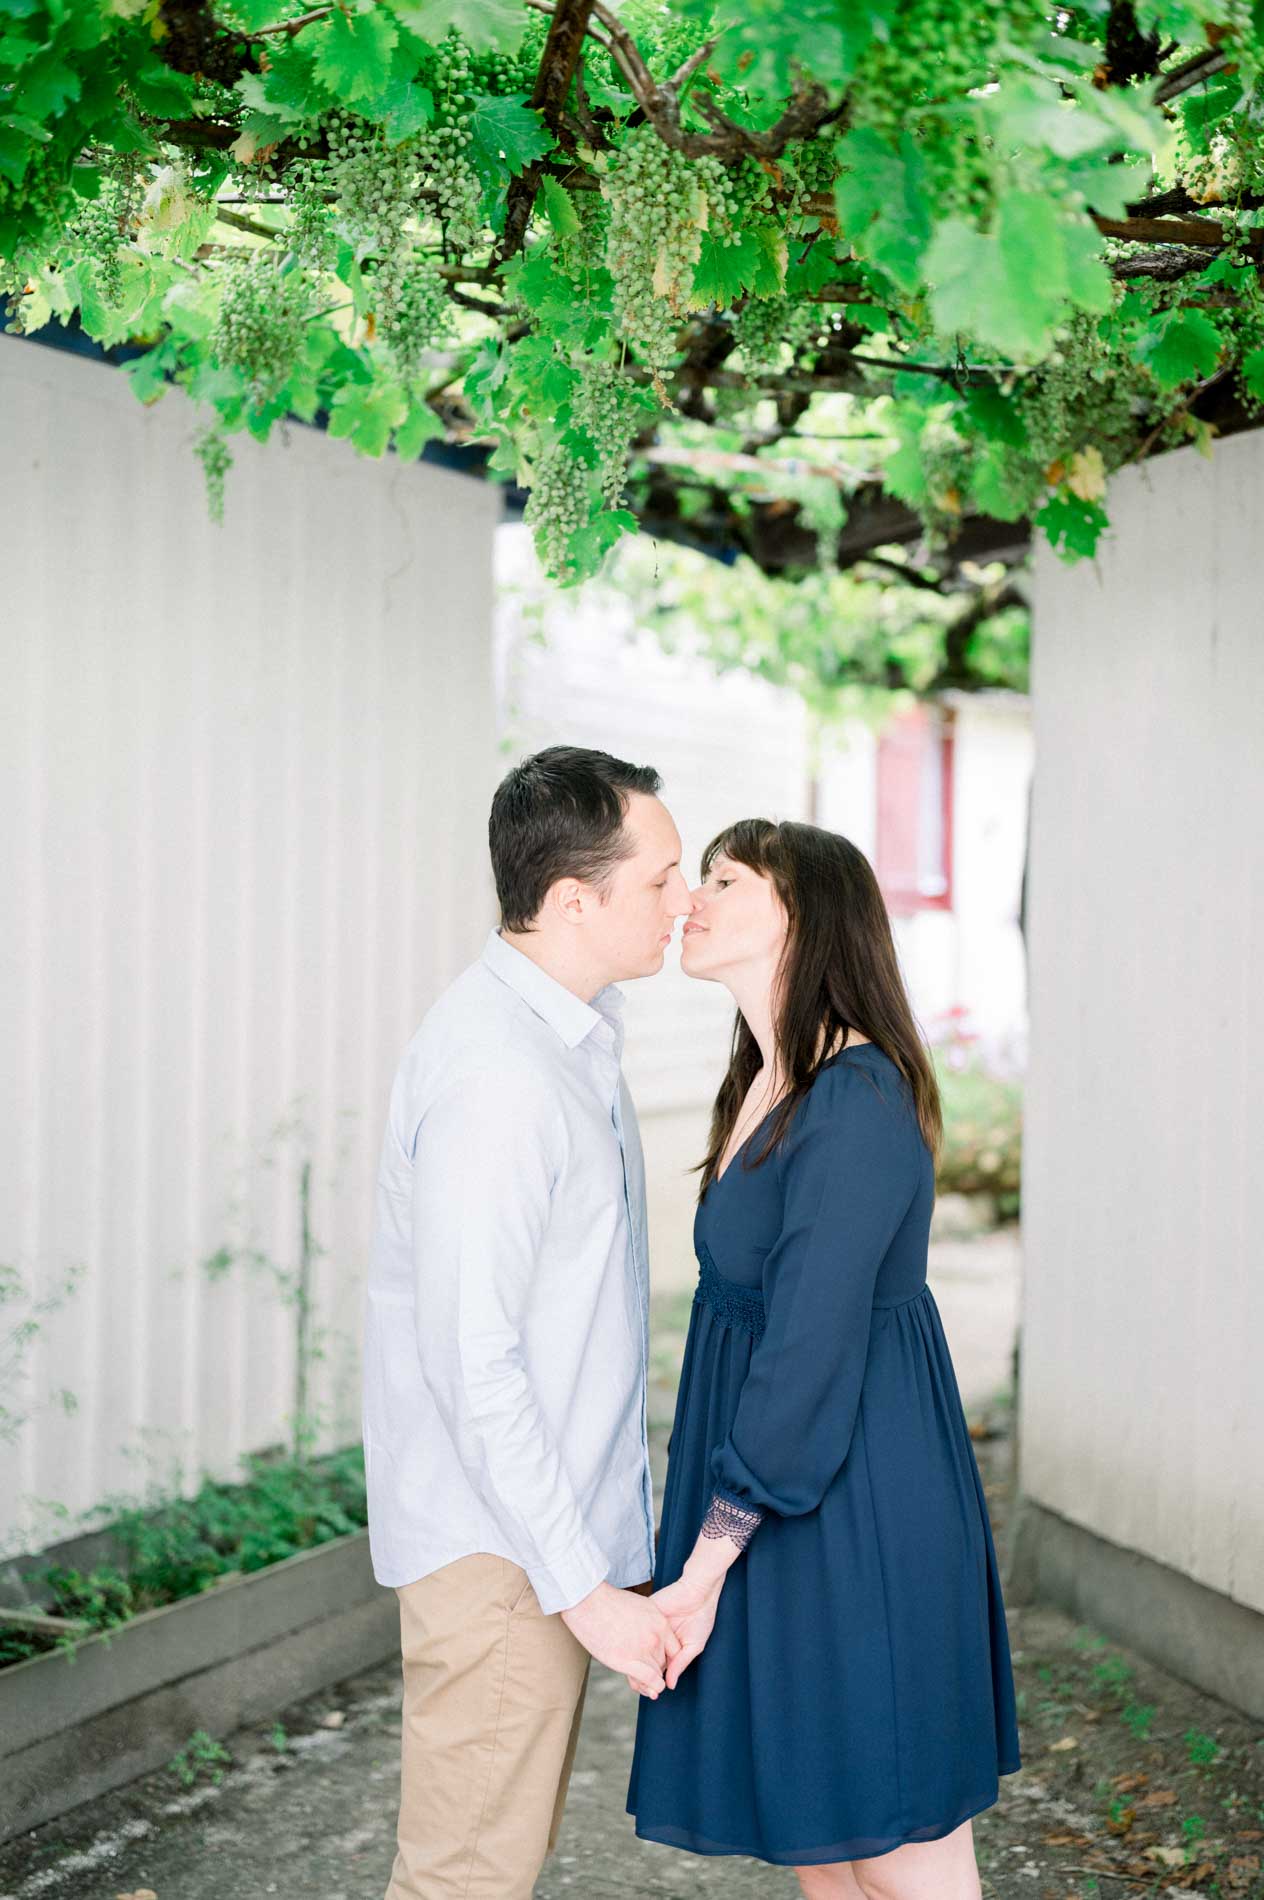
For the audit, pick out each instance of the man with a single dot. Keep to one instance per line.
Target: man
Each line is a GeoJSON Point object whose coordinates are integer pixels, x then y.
{"type": "Point", "coordinates": [506, 1337]}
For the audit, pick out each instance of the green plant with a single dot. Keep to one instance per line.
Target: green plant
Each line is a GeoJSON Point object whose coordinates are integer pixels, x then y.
{"type": "Point", "coordinates": [164, 1551]}
{"type": "Point", "coordinates": [201, 1758]}
{"type": "Point", "coordinates": [1202, 1750]}
{"type": "Point", "coordinates": [983, 1122]}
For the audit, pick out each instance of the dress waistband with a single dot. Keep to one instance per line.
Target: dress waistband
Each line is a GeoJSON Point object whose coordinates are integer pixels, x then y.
{"type": "Point", "coordinates": [734, 1305]}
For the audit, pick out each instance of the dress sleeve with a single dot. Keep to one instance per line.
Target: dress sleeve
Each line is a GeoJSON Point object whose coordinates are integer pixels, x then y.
{"type": "Point", "coordinates": [852, 1164]}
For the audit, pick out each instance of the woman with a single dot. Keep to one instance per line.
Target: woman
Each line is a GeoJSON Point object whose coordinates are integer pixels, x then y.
{"type": "Point", "coordinates": [843, 1701]}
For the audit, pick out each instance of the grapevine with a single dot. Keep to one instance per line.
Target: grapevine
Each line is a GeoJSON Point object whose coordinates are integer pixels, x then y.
{"type": "Point", "coordinates": [584, 243]}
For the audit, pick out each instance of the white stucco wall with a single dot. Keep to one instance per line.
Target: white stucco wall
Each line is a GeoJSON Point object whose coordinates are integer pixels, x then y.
{"type": "Point", "coordinates": [1142, 1404]}
{"type": "Point", "coordinates": [244, 775]}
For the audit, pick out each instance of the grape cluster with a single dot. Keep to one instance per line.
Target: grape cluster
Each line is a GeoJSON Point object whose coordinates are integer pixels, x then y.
{"type": "Point", "coordinates": [503, 73]}
{"type": "Point", "coordinates": [312, 236]}
{"type": "Point", "coordinates": [372, 181]}
{"type": "Point", "coordinates": [652, 241]}
{"type": "Point", "coordinates": [584, 250]}
{"type": "Point", "coordinates": [38, 202]}
{"type": "Point", "coordinates": [607, 407]}
{"type": "Point", "coordinates": [1081, 394]}
{"type": "Point", "coordinates": [93, 236]}
{"type": "Point", "coordinates": [261, 323]}
{"type": "Point", "coordinates": [216, 458]}
{"type": "Point", "coordinates": [935, 51]}
{"type": "Point", "coordinates": [735, 195]}
{"type": "Point", "coordinates": [443, 146]}
{"type": "Point", "coordinates": [760, 325]}
{"type": "Point", "coordinates": [559, 503]}
{"type": "Point", "coordinates": [419, 315]}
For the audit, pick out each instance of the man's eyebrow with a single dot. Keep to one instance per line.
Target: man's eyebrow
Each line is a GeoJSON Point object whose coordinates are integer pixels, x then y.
{"type": "Point", "coordinates": [670, 867]}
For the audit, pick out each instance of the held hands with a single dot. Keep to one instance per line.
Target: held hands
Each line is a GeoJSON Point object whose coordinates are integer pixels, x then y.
{"type": "Point", "coordinates": [627, 1632]}
{"type": "Point", "coordinates": [689, 1604]}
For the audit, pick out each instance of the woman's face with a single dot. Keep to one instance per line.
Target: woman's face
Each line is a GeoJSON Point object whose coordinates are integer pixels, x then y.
{"type": "Point", "coordinates": [737, 921]}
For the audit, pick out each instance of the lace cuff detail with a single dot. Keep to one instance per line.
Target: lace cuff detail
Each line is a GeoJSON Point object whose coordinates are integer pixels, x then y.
{"type": "Point", "coordinates": [726, 1519]}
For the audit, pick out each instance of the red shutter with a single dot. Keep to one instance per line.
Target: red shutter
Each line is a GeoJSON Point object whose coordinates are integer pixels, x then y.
{"type": "Point", "coordinates": [913, 859]}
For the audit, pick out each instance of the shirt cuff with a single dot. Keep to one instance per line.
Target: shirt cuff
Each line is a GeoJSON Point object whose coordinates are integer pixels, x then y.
{"type": "Point", "coordinates": [729, 1517]}
{"type": "Point", "coordinates": [566, 1580]}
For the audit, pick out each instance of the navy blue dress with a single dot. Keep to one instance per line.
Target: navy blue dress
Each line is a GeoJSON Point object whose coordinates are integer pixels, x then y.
{"type": "Point", "coordinates": [856, 1691]}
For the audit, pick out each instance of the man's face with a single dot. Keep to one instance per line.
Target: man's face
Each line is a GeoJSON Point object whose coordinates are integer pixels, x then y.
{"type": "Point", "coordinates": [647, 892]}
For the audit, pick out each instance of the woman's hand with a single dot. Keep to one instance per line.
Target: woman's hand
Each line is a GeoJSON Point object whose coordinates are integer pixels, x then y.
{"type": "Point", "coordinates": [689, 1605]}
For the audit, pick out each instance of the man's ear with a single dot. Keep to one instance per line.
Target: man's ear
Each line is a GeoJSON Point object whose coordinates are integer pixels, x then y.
{"type": "Point", "coordinates": [569, 899]}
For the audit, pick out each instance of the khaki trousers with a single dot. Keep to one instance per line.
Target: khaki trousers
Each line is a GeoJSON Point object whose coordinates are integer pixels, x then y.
{"type": "Point", "coordinates": [493, 1693]}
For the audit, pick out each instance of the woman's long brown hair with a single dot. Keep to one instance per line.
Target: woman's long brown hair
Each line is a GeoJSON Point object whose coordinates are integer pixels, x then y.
{"type": "Point", "coordinates": [839, 972]}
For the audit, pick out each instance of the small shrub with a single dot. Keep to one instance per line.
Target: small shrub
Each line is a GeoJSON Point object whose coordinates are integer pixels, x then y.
{"type": "Point", "coordinates": [983, 1129]}
{"type": "Point", "coordinates": [201, 1758]}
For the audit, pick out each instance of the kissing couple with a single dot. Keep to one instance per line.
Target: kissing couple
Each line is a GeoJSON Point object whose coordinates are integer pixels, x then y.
{"type": "Point", "coordinates": [818, 1641]}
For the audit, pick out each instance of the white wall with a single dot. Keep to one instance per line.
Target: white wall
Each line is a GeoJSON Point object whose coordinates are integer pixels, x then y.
{"type": "Point", "coordinates": [244, 775]}
{"type": "Point", "coordinates": [1142, 1402]}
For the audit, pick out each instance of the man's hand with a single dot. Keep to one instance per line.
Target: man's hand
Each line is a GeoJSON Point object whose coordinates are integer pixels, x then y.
{"type": "Point", "coordinates": [627, 1632]}
{"type": "Point", "coordinates": [690, 1605]}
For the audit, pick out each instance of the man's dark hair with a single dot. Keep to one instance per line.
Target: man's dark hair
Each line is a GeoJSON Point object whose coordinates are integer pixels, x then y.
{"type": "Point", "coordinates": [560, 814]}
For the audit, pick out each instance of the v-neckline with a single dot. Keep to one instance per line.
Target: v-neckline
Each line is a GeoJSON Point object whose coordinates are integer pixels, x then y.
{"type": "Point", "coordinates": [745, 1142]}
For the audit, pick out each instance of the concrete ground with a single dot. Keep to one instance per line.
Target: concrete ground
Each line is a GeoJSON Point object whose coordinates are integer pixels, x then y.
{"type": "Point", "coordinates": [1132, 1782]}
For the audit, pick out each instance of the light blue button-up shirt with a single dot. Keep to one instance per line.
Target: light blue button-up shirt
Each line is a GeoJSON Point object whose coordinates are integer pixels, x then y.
{"type": "Point", "coordinates": [507, 1311]}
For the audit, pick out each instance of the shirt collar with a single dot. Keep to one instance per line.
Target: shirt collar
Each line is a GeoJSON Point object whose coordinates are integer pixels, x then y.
{"type": "Point", "coordinates": [565, 1012]}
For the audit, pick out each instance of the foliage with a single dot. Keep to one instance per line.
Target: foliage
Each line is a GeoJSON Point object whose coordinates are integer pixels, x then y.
{"type": "Point", "coordinates": [983, 1121]}
{"type": "Point", "coordinates": [182, 1546]}
{"type": "Point", "coordinates": [585, 238]}
{"type": "Point", "coordinates": [201, 1757]}
{"type": "Point", "coordinates": [845, 642]}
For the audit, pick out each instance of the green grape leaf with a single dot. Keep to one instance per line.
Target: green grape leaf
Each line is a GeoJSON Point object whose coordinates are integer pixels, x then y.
{"type": "Point", "coordinates": [540, 377]}
{"type": "Point", "coordinates": [884, 203]}
{"type": "Point", "coordinates": [1008, 289]}
{"type": "Point", "coordinates": [993, 487]}
{"type": "Point", "coordinates": [150, 374]}
{"type": "Point", "coordinates": [289, 89]}
{"type": "Point", "coordinates": [559, 207]}
{"type": "Point", "coordinates": [506, 135]}
{"type": "Point", "coordinates": [421, 425]}
{"type": "Point", "coordinates": [47, 86]}
{"type": "Point", "coordinates": [806, 274]}
{"type": "Point", "coordinates": [996, 418]}
{"type": "Point", "coordinates": [366, 413]}
{"type": "Point", "coordinates": [1179, 347]}
{"type": "Point", "coordinates": [1253, 373]}
{"type": "Point", "coordinates": [589, 545]}
{"type": "Point", "coordinates": [402, 109]}
{"type": "Point", "coordinates": [486, 373]}
{"type": "Point", "coordinates": [352, 53]}
{"type": "Point", "coordinates": [162, 93]}
{"type": "Point", "coordinates": [904, 475]}
{"type": "Point", "coordinates": [763, 46]}
{"type": "Point", "coordinates": [768, 277]}
{"type": "Point", "coordinates": [723, 271]}
{"type": "Point", "coordinates": [487, 26]}
{"type": "Point", "coordinates": [1073, 527]}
